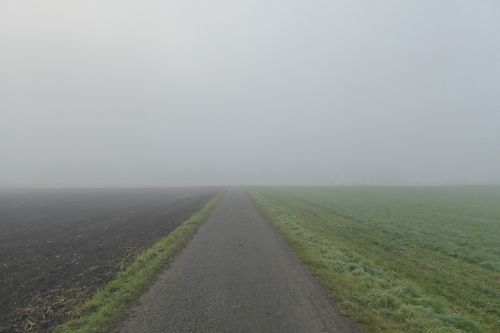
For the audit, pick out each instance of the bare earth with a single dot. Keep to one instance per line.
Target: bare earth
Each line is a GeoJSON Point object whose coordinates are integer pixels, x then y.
{"type": "Point", "coordinates": [57, 247]}
{"type": "Point", "coordinates": [236, 275]}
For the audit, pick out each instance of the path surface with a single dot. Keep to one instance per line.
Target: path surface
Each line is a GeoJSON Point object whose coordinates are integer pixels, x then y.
{"type": "Point", "coordinates": [236, 275]}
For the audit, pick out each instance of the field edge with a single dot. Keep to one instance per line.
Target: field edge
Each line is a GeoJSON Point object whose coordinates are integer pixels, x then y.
{"type": "Point", "coordinates": [103, 310]}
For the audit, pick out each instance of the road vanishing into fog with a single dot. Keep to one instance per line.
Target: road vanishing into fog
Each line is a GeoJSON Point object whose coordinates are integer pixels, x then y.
{"type": "Point", "coordinates": [236, 275]}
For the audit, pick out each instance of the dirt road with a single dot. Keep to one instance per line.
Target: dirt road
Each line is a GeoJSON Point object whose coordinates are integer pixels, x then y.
{"type": "Point", "coordinates": [236, 275]}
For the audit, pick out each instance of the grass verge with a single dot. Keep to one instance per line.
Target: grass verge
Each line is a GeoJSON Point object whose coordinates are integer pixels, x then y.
{"type": "Point", "coordinates": [387, 284]}
{"type": "Point", "coordinates": [103, 310]}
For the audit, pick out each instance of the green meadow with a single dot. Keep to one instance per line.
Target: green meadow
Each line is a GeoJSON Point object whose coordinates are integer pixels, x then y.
{"type": "Point", "coordinates": [398, 259]}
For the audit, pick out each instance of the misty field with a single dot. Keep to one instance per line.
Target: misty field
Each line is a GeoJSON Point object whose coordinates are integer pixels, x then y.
{"type": "Point", "coordinates": [58, 247]}
{"type": "Point", "coordinates": [398, 259]}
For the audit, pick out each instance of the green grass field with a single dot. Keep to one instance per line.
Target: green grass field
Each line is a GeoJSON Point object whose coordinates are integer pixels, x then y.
{"type": "Point", "coordinates": [398, 259]}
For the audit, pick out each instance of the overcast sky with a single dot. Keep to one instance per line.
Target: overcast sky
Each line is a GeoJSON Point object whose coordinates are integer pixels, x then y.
{"type": "Point", "coordinates": [192, 92]}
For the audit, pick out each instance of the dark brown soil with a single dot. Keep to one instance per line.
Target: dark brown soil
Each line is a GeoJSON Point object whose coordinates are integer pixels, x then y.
{"type": "Point", "coordinates": [57, 247]}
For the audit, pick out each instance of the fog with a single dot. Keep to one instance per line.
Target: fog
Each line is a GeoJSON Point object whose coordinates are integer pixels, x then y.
{"type": "Point", "coordinates": [275, 92]}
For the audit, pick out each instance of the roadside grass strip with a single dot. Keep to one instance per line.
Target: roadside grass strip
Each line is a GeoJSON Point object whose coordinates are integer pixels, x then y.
{"type": "Point", "coordinates": [102, 312]}
{"type": "Point", "coordinates": [370, 295]}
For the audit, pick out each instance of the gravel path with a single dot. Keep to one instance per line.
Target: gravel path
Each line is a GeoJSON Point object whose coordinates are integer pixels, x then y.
{"type": "Point", "coordinates": [236, 275]}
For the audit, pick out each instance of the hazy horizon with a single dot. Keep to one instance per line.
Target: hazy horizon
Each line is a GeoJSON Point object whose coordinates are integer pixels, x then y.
{"type": "Point", "coordinates": [192, 93]}
{"type": "Point", "coordinates": [226, 186]}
